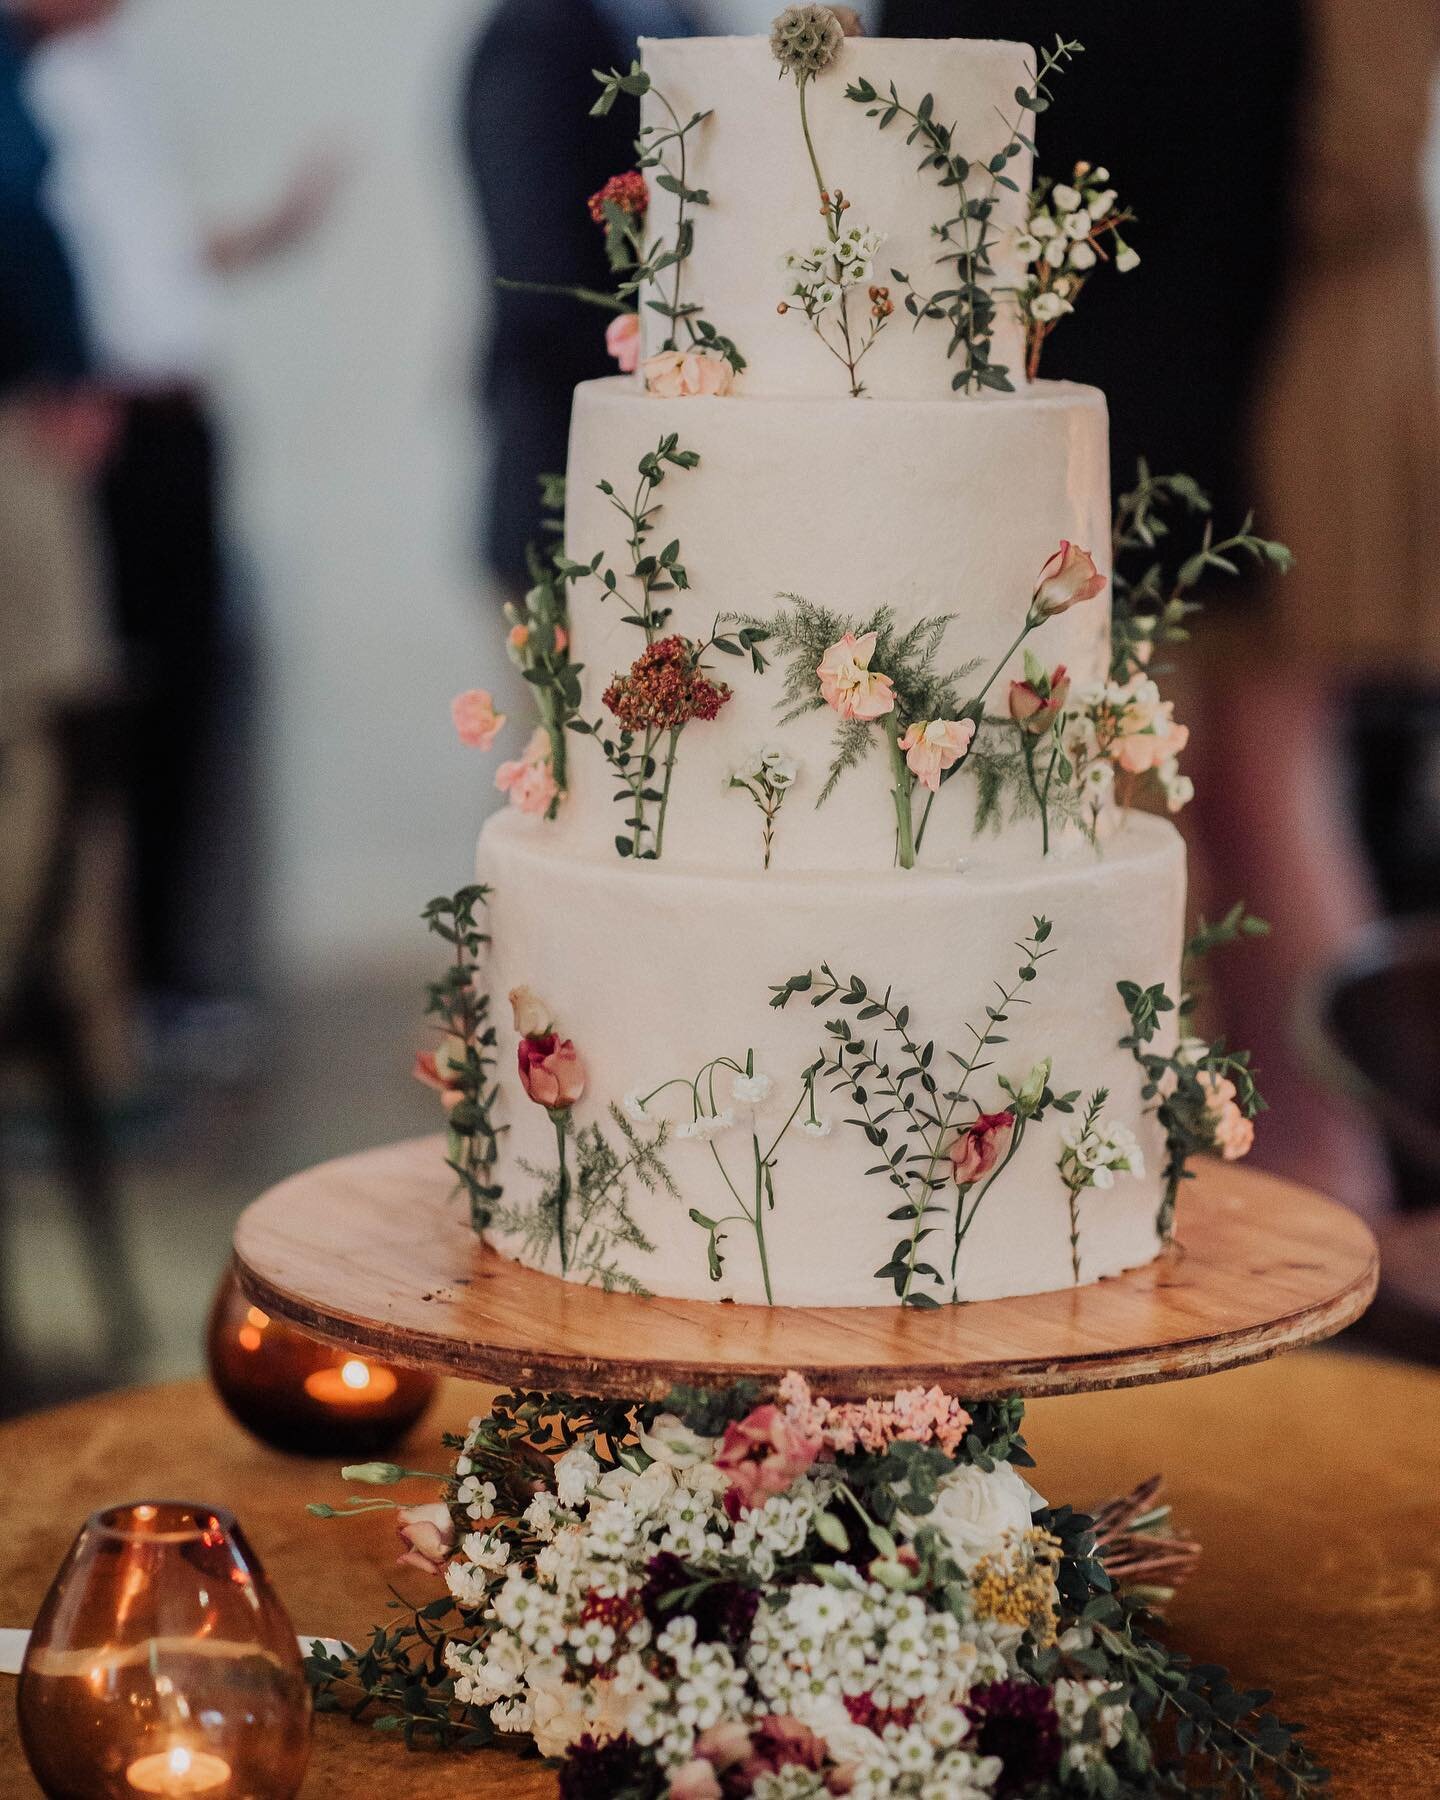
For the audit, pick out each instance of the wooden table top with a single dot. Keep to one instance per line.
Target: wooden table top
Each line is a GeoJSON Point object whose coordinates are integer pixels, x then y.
{"type": "Point", "coordinates": [1311, 1481]}
{"type": "Point", "coordinates": [375, 1252]}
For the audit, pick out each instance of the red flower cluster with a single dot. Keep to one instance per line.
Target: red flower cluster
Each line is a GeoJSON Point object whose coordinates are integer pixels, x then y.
{"type": "Point", "coordinates": [863, 1710]}
{"type": "Point", "coordinates": [627, 191]}
{"type": "Point", "coordinates": [664, 689]}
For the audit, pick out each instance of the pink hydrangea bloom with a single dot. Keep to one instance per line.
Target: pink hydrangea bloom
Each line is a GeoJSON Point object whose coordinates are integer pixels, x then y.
{"type": "Point", "coordinates": [476, 721]}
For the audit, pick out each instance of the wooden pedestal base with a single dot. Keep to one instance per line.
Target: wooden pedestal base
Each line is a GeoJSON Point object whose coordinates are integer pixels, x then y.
{"type": "Point", "coordinates": [375, 1253]}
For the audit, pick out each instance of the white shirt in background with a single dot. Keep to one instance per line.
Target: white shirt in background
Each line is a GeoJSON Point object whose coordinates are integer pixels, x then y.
{"type": "Point", "coordinates": [138, 252]}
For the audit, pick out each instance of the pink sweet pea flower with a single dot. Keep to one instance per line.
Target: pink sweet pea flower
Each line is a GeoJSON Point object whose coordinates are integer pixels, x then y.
{"type": "Point", "coordinates": [551, 1071]}
{"type": "Point", "coordinates": [476, 721]}
{"type": "Point", "coordinates": [529, 782]}
{"type": "Point", "coordinates": [849, 684]}
{"type": "Point", "coordinates": [763, 1454]}
{"type": "Point", "coordinates": [622, 340]}
{"type": "Point", "coordinates": [440, 1069]}
{"type": "Point", "coordinates": [981, 1145]}
{"type": "Point", "coordinates": [931, 748]}
{"type": "Point", "coordinates": [681, 374]}
{"type": "Point", "coordinates": [1069, 577]}
{"type": "Point", "coordinates": [1233, 1133]}
{"type": "Point", "coordinates": [428, 1534]}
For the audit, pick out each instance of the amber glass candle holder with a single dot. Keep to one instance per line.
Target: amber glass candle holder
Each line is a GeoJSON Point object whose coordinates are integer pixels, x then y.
{"type": "Point", "coordinates": [163, 1663]}
{"type": "Point", "coordinates": [295, 1393]}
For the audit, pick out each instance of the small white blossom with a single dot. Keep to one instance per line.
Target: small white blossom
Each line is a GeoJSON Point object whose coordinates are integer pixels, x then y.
{"type": "Point", "coordinates": [751, 1090]}
{"type": "Point", "coordinates": [1126, 259]}
{"type": "Point", "coordinates": [1043, 226]}
{"type": "Point", "coordinates": [635, 1108]}
{"type": "Point", "coordinates": [1049, 306]}
{"type": "Point", "coordinates": [1065, 198]}
{"type": "Point", "coordinates": [1082, 256]}
{"type": "Point", "coordinates": [575, 1473]}
{"type": "Point", "coordinates": [1056, 251]}
{"type": "Point", "coordinates": [707, 1126]}
{"type": "Point", "coordinates": [1027, 247]}
{"type": "Point", "coordinates": [815, 1128]}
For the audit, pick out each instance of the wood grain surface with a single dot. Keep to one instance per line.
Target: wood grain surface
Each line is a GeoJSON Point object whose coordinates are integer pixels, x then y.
{"type": "Point", "coordinates": [374, 1252]}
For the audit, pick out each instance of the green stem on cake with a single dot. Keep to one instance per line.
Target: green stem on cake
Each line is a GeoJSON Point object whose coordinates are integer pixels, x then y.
{"type": "Point", "coordinates": [962, 1229]}
{"type": "Point", "coordinates": [975, 704]}
{"type": "Point", "coordinates": [1042, 795]}
{"type": "Point", "coordinates": [802, 81]}
{"type": "Point", "coordinates": [900, 791]}
{"type": "Point", "coordinates": [559, 1118]}
{"type": "Point", "coordinates": [674, 745]}
{"type": "Point", "coordinates": [1073, 1196]}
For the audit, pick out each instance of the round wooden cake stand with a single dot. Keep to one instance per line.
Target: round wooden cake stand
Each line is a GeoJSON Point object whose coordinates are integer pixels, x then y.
{"type": "Point", "coordinates": [375, 1253]}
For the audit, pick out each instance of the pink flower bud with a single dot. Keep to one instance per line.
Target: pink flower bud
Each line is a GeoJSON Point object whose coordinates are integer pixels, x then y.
{"type": "Point", "coordinates": [551, 1071]}
{"type": "Point", "coordinates": [1035, 711]}
{"type": "Point", "coordinates": [428, 1533]}
{"type": "Point", "coordinates": [1069, 577]}
{"type": "Point", "coordinates": [981, 1145]}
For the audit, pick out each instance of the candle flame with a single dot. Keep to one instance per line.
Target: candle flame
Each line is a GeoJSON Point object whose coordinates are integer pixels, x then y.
{"type": "Point", "coordinates": [355, 1374]}
{"type": "Point", "coordinates": [180, 1760]}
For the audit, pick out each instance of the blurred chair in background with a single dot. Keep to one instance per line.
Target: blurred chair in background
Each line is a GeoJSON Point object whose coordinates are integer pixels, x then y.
{"type": "Point", "coordinates": [146, 271]}
{"type": "Point", "coordinates": [534, 156]}
{"type": "Point", "coordinates": [1277, 344]}
{"type": "Point", "coordinates": [59, 702]}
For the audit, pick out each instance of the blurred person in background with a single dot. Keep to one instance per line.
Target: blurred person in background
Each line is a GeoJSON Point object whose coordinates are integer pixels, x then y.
{"type": "Point", "coordinates": [146, 273]}
{"type": "Point", "coordinates": [1279, 345]}
{"type": "Point", "coordinates": [534, 156]}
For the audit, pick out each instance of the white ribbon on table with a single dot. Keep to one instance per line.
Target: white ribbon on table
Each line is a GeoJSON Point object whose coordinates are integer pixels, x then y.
{"type": "Point", "coordinates": [13, 1642]}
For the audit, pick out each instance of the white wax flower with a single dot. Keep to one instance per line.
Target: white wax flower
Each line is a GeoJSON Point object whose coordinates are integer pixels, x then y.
{"type": "Point", "coordinates": [1056, 251]}
{"type": "Point", "coordinates": [751, 1090]}
{"type": "Point", "coordinates": [1027, 247]}
{"type": "Point", "coordinates": [1082, 256]}
{"type": "Point", "coordinates": [1065, 197]}
{"type": "Point", "coordinates": [1100, 205]}
{"type": "Point", "coordinates": [1043, 226]}
{"type": "Point", "coordinates": [1049, 306]}
{"type": "Point", "coordinates": [1126, 259]}
{"type": "Point", "coordinates": [1078, 225]}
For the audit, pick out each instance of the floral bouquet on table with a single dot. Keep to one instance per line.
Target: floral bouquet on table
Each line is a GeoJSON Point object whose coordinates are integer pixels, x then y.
{"type": "Point", "coordinates": [713, 1598]}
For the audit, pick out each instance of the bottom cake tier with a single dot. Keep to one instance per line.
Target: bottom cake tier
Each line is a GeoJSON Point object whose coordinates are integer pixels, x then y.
{"type": "Point", "coordinates": [710, 1158]}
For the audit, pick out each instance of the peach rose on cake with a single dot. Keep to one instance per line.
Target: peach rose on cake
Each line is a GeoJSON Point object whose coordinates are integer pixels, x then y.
{"type": "Point", "coordinates": [934, 747]}
{"type": "Point", "coordinates": [849, 684]}
{"type": "Point", "coordinates": [681, 374]}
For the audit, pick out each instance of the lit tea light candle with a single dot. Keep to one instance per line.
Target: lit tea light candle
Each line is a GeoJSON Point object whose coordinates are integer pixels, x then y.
{"type": "Point", "coordinates": [178, 1771]}
{"type": "Point", "coordinates": [354, 1383]}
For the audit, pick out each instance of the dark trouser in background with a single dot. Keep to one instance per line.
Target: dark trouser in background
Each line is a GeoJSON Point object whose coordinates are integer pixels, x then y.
{"type": "Point", "coordinates": [160, 509]}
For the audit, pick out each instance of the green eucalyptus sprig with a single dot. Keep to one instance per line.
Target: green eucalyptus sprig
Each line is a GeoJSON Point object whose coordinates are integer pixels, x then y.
{"type": "Point", "coordinates": [1171, 1083]}
{"type": "Point", "coordinates": [1150, 603]}
{"type": "Point", "coordinates": [652, 572]}
{"type": "Point", "coordinates": [461, 1007]}
{"type": "Point", "coordinates": [903, 1107]}
{"type": "Point", "coordinates": [643, 261]}
{"type": "Point", "coordinates": [971, 232]}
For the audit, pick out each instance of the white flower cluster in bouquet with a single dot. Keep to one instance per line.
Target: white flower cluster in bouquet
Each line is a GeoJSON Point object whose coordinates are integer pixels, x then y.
{"type": "Point", "coordinates": [1094, 1154]}
{"type": "Point", "coordinates": [709, 1589]}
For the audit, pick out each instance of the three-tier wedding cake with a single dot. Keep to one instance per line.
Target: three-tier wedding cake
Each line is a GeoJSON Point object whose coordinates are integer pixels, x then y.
{"type": "Point", "coordinates": [819, 899]}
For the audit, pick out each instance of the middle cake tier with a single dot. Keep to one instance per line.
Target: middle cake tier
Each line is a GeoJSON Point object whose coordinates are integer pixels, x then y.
{"type": "Point", "coordinates": [933, 509]}
{"type": "Point", "coordinates": [664, 982]}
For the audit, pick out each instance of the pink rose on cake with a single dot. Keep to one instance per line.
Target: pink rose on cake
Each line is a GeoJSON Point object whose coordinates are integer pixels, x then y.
{"type": "Point", "coordinates": [849, 684]}
{"type": "Point", "coordinates": [1036, 705]}
{"type": "Point", "coordinates": [981, 1146]}
{"type": "Point", "coordinates": [528, 782]}
{"type": "Point", "coordinates": [932, 748]}
{"type": "Point", "coordinates": [476, 721]}
{"type": "Point", "coordinates": [1069, 577]}
{"type": "Point", "coordinates": [622, 340]}
{"type": "Point", "coordinates": [681, 374]}
{"type": "Point", "coordinates": [551, 1071]}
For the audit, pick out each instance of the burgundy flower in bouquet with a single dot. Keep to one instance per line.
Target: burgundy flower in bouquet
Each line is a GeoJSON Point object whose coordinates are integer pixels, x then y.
{"type": "Point", "coordinates": [1016, 1721]}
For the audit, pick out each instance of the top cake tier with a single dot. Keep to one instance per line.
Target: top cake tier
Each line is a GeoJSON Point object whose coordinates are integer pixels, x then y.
{"type": "Point", "coordinates": [750, 157]}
